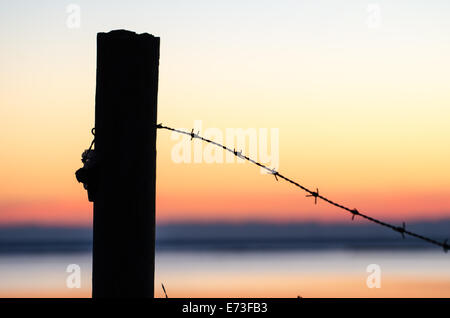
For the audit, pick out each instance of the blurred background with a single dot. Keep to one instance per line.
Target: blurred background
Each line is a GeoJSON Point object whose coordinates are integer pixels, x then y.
{"type": "Point", "coordinates": [358, 91]}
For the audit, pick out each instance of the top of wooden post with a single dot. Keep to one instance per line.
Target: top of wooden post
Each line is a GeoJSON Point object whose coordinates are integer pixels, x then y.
{"type": "Point", "coordinates": [121, 33]}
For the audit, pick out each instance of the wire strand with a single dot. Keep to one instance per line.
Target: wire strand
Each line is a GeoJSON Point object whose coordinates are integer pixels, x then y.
{"type": "Point", "coordinates": [315, 194]}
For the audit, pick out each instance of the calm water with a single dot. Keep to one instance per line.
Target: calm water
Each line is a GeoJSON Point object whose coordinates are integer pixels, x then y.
{"type": "Point", "coordinates": [418, 273]}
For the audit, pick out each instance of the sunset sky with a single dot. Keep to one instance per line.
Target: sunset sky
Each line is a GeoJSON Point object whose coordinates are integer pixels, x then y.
{"type": "Point", "coordinates": [363, 110]}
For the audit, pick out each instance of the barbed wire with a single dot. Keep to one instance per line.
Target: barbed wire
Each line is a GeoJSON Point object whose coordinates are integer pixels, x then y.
{"type": "Point", "coordinates": [315, 194]}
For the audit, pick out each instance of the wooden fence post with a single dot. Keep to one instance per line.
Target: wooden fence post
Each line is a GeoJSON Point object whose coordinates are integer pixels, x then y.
{"type": "Point", "coordinates": [125, 149]}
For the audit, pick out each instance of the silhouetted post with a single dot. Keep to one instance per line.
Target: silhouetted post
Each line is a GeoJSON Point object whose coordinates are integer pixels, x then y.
{"type": "Point", "coordinates": [125, 147]}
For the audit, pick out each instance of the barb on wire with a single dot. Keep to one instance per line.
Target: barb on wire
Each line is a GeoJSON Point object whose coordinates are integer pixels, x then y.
{"type": "Point", "coordinates": [315, 194]}
{"type": "Point", "coordinates": [237, 153]}
{"type": "Point", "coordinates": [354, 212]}
{"type": "Point", "coordinates": [193, 135]}
{"type": "Point", "coordinates": [274, 172]}
{"type": "Point", "coordinates": [402, 230]}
